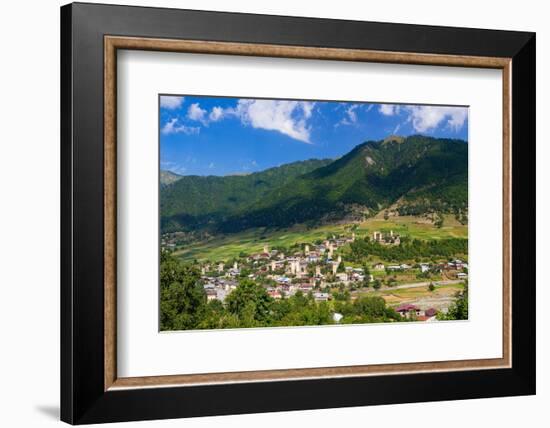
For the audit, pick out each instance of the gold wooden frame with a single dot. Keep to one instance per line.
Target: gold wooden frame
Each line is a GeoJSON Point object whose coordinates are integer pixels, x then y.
{"type": "Point", "coordinates": [113, 43]}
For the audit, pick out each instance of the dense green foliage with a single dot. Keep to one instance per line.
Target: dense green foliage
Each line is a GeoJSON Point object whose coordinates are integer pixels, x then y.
{"type": "Point", "coordinates": [421, 174]}
{"type": "Point", "coordinates": [183, 305]}
{"type": "Point", "coordinates": [367, 309]}
{"type": "Point", "coordinates": [195, 201]}
{"type": "Point", "coordinates": [459, 309]}
{"type": "Point", "coordinates": [181, 295]}
{"type": "Point", "coordinates": [409, 249]}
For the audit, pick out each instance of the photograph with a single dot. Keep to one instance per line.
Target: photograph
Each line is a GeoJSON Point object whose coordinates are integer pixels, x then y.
{"type": "Point", "coordinates": [293, 212]}
{"type": "Point", "coordinates": [273, 215]}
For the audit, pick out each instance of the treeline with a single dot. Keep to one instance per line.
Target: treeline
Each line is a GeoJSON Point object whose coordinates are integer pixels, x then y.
{"type": "Point", "coordinates": [435, 208]}
{"type": "Point", "coordinates": [409, 249]}
{"type": "Point", "coordinates": [459, 309]}
{"type": "Point", "coordinates": [184, 306]}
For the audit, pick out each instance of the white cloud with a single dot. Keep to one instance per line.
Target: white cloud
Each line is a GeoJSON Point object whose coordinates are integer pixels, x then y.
{"type": "Point", "coordinates": [307, 109]}
{"type": "Point", "coordinates": [426, 118]}
{"type": "Point", "coordinates": [174, 127]}
{"type": "Point", "coordinates": [350, 117]}
{"type": "Point", "coordinates": [170, 102]}
{"type": "Point", "coordinates": [216, 114]}
{"type": "Point", "coordinates": [389, 109]}
{"type": "Point", "coordinates": [287, 117]}
{"type": "Point", "coordinates": [195, 112]}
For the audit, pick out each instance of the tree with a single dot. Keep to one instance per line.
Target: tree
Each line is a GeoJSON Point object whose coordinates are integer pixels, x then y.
{"type": "Point", "coordinates": [431, 287]}
{"type": "Point", "coordinates": [182, 296]}
{"type": "Point", "coordinates": [342, 296]}
{"type": "Point", "coordinates": [459, 309]}
{"type": "Point", "coordinates": [377, 284]}
{"type": "Point", "coordinates": [372, 306]}
{"type": "Point", "coordinates": [250, 302]}
{"type": "Point", "coordinates": [244, 272]}
{"type": "Point", "coordinates": [213, 315]}
{"type": "Point", "coordinates": [366, 270]}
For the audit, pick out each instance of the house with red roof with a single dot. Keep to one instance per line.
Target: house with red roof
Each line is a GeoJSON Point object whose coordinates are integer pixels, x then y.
{"type": "Point", "coordinates": [405, 310]}
{"type": "Point", "coordinates": [431, 312]}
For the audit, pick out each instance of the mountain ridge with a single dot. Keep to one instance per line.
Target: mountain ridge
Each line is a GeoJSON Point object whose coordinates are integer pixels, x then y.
{"type": "Point", "coordinates": [168, 177]}
{"type": "Point", "coordinates": [197, 201]}
{"type": "Point", "coordinates": [415, 175]}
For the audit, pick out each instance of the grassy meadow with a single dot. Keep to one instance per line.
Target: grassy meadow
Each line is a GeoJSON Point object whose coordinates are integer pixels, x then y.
{"type": "Point", "coordinates": [226, 247]}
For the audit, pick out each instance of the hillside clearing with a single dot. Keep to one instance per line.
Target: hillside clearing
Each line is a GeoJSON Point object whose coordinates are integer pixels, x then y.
{"type": "Point", "coordinates": [228, 246]}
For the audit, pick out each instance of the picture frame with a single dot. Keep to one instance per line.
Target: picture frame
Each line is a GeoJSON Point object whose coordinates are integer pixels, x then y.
{"type": "Point", "coordinates": [91, 390]}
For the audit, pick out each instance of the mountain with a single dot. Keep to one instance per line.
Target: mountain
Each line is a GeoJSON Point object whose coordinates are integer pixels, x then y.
{"type": "Point", "coordinates": [414, 175]}
{"type": "Point", "coordinates": [168, 177]}
{"type": "Point", "coordinates": [198, 201]}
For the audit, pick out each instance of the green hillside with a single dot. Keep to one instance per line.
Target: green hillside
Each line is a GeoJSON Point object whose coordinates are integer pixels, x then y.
{"type": "Point", "coordinates": [196, 201]}
{"type": "Point", "coordinates": [406, 176]}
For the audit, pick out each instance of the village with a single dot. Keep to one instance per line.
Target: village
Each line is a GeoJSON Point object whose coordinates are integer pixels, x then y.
{"type": "Point", "coordinates": [318, 269]}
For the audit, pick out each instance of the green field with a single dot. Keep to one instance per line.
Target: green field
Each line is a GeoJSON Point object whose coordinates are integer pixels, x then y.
{"type": "Point", "coordinates": [394, 297]}
{"type": "Point", "coordinates": [415, 227]}
{"type": "Point", "coordinates": [252, 241]}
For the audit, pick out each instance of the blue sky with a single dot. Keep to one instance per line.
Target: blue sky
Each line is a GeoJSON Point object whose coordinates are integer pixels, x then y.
{"type": "Point", "coordinates": [202, 135]}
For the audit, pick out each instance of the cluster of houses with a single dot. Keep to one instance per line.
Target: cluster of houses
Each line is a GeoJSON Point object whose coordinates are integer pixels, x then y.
{"type": "Point", "coordinates": [381, 266]}
{"type": "Point", "coordinates": [305, 270]}
{"type": "Point", "coordinates": [171, 240]}
{"type": "Point", "coordinates": [218, 288]}
{"type": "Point", "coordinates": [455, 268]}
{"type": "Point", "coordinates": [310, 269]}
{"type": "Point", "coordinates": [386, 238]}
{"type": "Point", "coordinates": [408, 310]}
{"type": "Point", "coordinates": [313, 268]}
{"type": "Point", "coordinates": [458, 266]}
